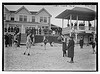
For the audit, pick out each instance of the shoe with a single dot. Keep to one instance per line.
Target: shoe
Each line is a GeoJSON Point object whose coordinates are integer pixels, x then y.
{"type": "Point", "coordinates": [28, 54]}
{"type": "Point", "coordinates": [24, 53]}
{"type": "Point", "coordinates": [70, 61]}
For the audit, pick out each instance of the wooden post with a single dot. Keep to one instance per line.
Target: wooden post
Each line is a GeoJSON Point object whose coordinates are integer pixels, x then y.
{"type": "Point", "coordinates": [62, 25]}
{"type": "Point", "coordinates": [70, 23]}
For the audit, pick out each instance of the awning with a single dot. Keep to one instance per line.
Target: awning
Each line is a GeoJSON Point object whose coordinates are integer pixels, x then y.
{"type": "Point", "coordinates": [84, 14]}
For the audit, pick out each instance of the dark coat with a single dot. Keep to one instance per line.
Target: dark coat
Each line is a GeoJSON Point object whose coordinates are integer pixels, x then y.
{"type": "Point", "coordinates": [6, 39]}
{"type": "Point", "coordinates": [81, 42]}
{"type": "Point", "coordinates": [71, 48]}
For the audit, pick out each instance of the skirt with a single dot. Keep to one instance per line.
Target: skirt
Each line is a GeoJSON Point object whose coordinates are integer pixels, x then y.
{"type": "Point", "coordinates": [28, 44]}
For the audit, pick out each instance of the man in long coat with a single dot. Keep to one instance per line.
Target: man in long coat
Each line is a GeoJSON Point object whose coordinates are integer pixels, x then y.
{"type": "Point", "coordinates": [81, 43]}
{"type": "Point", "coordinates": [71, 49]}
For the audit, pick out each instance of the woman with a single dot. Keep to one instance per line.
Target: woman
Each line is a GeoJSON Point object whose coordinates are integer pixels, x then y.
{"type": "Point", "coordinates": [28, 44]}
{"type": "Point", "coordinates": [71, 49]}
{"type": "Point", "coordinates": [45, 41]}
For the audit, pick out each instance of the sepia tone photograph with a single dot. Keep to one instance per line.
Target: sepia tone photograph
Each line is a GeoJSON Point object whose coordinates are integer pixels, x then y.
{"type": "Point", "coordinates": [50, 37]}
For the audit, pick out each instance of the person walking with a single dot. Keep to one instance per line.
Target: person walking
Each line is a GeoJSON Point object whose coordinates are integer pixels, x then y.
{"type": "Point", "coordinates": [28, 44]}
{"type": "Point", "coordinates": [64, 45]}
{"type": "Point", "coordinates": [45, 41]}
{"type": "Point", "coordinates": [71, 49]}
{"type": "Point", "coordinates": [81, 42]}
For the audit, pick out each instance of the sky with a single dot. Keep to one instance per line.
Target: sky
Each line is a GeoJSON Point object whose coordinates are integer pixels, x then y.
{"type": "Point", "coordinates": [53, 10]}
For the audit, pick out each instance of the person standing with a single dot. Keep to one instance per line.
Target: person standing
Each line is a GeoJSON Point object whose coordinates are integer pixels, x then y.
{"type": "Point", "coordinates": [93, 46]}
{"type": "Point", "coordinates": [71, 45]}
{"type": "Point", "coordinates": [63, 45]}
{"type": "Point", "coordinates": [81, 42]}
{"type": "Point", "coordinates": [6, 39]}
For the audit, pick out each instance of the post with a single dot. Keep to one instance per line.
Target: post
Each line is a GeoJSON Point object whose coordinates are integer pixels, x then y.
{"type": "Point", "coordinates": [62, 25]}
{"type": "Point", "coordinates": [70, 23]}
{"type": "Point", "coordinates": [77, 23]}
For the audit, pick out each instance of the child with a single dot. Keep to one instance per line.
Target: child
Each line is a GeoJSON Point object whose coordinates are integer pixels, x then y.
{"type": "Point", "coordinates": [28, 44]}
{"type": "Point", "coordinates": [45, 41]}
{"type": "Point", "coordinates": [93, 46]}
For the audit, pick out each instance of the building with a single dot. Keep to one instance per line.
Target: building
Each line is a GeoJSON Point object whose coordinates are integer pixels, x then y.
{"type": "Point", "coordinates": [25, 19]}
{"type": "Point", "coordinates": [79, 29]}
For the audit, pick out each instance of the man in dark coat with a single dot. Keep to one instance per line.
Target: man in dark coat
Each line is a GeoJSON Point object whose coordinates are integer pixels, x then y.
{"type": "Point", "coordinates": [19, 39]}
{"type": "Point", "coordinates": [10, 40]}
{"type": "Point", "coordinates": [71, 49]}
{"type": "Point", "coordinates": [81, 43]}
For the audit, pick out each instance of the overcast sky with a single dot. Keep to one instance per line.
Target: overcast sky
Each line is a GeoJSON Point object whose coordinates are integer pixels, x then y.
{"type": "Point", "coordinates": [53, 10]}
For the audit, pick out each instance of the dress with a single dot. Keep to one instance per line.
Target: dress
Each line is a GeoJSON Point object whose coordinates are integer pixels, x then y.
{"type": "Point", "coordinates": [28, 42]}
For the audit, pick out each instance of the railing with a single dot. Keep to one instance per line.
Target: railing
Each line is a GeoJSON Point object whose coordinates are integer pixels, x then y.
{"type": "Point", "coordinates": [84, 28]}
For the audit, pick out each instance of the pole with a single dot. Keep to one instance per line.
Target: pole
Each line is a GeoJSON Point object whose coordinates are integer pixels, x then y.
{"type": "Point", "coordinates": [62, 25]}
{"type": "Point", "coordinates": [70, 23]}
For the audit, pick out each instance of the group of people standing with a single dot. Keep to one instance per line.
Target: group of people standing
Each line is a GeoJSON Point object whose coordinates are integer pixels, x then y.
{"type": "Point", "coordinates": [68, 47]}
{"type": "Point", "coordinates": [13, 38]}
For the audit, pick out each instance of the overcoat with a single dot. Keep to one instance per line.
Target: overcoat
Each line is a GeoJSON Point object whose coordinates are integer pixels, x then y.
{"type": "Point", "coordinates": [71, 48]}
{"type": "Point", "coordinates": [81, 42]}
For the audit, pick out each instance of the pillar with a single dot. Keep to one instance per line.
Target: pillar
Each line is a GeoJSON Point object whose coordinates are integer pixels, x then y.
{"type": "Point", "coordinates": [22, 29]}
{"type": "Point", "coordinates": [70, 23]}
{"type": "Point", "coordinates": [62, 25]}
{"type": "Point", "coordinates": [76, 37]}
{"type": "Point", "coordinates": [77, 23]}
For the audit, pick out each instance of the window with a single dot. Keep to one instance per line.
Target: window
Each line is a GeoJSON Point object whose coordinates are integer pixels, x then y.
{"type": "Point", "coordinates": [33, 18]}
{"type": "Point", "coordinates": [45, 19]}
{"type": "Point", "coordinates": [41, 19]}
{"type": "Point", "coordinates": [20, 18]}
{"type": "Point", "coordinates": [25, 18]}
{"type": "Point", "coordinates": [12, 18]}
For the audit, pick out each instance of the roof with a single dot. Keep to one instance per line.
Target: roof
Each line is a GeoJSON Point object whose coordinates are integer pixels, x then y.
{"type": "Point", "coordinates": [21, 9]}
{"type": "Point", "coordinates": [45, 11]}
{"type": "Point", "coordinates": [30, 12]}
{"type": "Point", "coordinates": [82, 13]}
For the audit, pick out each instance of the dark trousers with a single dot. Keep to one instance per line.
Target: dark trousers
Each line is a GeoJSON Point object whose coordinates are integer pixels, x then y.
{"type": "Point", "coordinates": [71, 58]}
{"type": "Point", "coordinates": [64, 53]}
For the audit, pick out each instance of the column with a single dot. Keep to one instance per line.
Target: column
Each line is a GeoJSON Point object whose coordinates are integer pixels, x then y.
{"type": "Point", "coordinates": [76, 37]}
{"type": "Point", "coordinates": [62, 25]}
{"type": "Point", "coordinates": [22, 29]}
{"type": "Point", "coordinates": [70, 23]}
{"type": "Point", "coordinates": [77, 23]}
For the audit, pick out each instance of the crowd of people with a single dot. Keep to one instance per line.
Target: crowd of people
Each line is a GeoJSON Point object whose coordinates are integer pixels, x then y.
{"type": "Point", "coordinates": [16, 38]}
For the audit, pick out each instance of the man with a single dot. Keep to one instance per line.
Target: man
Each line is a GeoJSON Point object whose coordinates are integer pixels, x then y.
{"type": "Point", "coordinates": [71, 49]}
{"type": "Point", "coordinates": [81, 42]}
{"type": "Point", "coordinates": [6, 39]}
